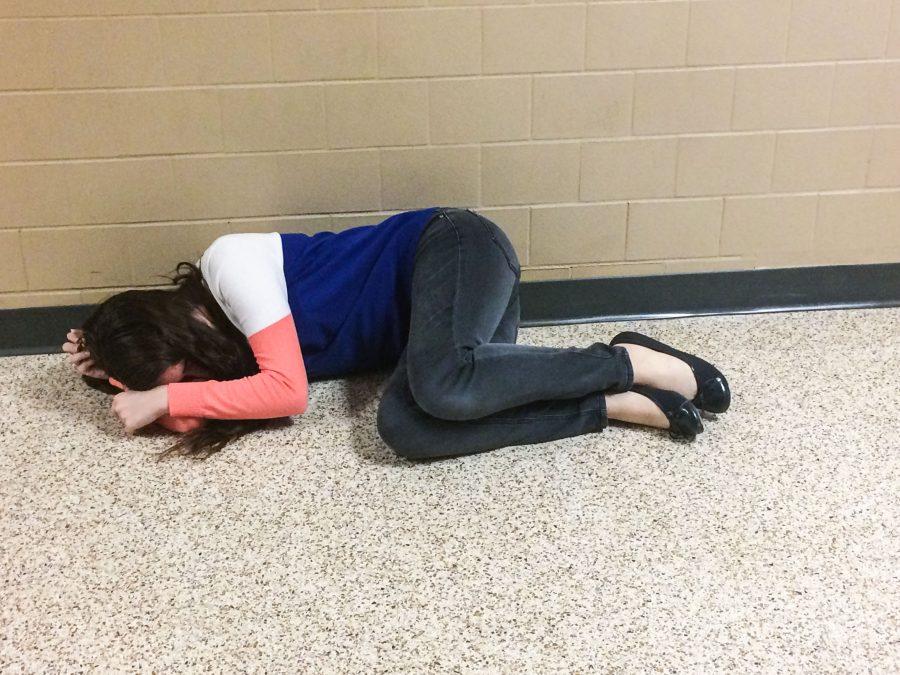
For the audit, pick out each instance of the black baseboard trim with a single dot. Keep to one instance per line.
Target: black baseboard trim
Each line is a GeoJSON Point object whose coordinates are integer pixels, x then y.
{"type": "Point", "coordinates": [42, 330]}
{"type": "Point", "coordinates": [705, 293]}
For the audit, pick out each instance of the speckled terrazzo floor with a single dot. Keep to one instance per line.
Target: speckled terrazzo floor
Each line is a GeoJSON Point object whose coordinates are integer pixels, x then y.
{"type": "Point", "coordinates": [770, 543]}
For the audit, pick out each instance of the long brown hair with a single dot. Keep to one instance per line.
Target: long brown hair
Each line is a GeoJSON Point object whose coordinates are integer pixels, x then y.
{"type": "Point", "coordinates": [135, 335]}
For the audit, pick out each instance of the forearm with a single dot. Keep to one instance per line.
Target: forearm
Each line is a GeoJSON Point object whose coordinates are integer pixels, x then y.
{"type": "Point", "coordinates": [279, 389]}
{"type": "Point", "coordinates": [252, 397]}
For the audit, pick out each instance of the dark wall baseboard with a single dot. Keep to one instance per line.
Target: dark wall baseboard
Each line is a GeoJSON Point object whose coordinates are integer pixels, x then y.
{"type": "Point", "coordinates": [42, 330]}
{"type": "Point", "coordinates": [703, 293]}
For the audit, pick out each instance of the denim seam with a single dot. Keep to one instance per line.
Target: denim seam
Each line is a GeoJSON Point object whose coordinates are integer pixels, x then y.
{"type": "Point", "coordinates": [604, 413]}
{"type": "Point", "coordinates": [453, 322]}
{"type": "Point", "coordinates": [493, 237]}
{"type": "Point", "coordinates": [628, 368]}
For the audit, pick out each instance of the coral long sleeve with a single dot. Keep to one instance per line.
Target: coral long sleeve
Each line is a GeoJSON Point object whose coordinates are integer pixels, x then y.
{"type": "Point", "coordinates": [280, 389]}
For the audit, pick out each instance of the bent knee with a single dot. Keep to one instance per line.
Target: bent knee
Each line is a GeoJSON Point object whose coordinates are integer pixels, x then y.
{"type": "Point", "coordinates": [455, 408]}
{"type": "Point", "coordinates": [447, 404]}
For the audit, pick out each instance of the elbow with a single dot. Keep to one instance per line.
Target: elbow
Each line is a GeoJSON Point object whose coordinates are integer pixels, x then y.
{"type": "Point", "coordinates": [292, 398]}
{"type": "Point", "coordinates": [300, 399]}
{"type": "Point", "coordinates": [303, 402]}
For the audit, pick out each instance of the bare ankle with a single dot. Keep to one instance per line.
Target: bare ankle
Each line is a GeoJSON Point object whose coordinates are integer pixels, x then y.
{"type": "Point", "coordinates": [629, 406]}
{"type": "Point", "coordinates": [642, 363]}
{"type": "Point", "coordinates": [661, 371]}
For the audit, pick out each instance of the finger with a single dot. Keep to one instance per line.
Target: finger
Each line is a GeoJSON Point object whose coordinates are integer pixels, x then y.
{"type": "Point", "coordinates": [81, 366]}
{"type": "Point", "coordinates": [77, 357]}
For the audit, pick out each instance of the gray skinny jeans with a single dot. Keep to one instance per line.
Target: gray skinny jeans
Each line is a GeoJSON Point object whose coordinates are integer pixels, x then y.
{"type": "Point", "coordinates": [462, 385]}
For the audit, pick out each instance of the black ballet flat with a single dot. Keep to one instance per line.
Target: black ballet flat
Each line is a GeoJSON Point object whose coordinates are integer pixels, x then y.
{"type": "Point", "coordinates": [684, 418]}
{"type": "Point", "coordinates": [713, 392]}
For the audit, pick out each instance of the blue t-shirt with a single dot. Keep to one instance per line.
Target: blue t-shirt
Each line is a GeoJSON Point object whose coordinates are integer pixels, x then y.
{"type": "Point", "coordinates": [350, 291]}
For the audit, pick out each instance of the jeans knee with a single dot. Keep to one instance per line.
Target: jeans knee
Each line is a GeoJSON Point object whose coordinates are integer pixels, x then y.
{"type": "Point", "coordinates": [443, 403]}
{"type": "Point", "coordinates": [459, 408]}
{"type": "Point", "coordinates": [446, 397]}
{"type": "Point", "coordinates": [448, 405]}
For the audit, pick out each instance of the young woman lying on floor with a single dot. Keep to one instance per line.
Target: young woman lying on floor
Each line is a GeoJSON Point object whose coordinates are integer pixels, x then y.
{"type": "Point", "coordinates": [432, 293]}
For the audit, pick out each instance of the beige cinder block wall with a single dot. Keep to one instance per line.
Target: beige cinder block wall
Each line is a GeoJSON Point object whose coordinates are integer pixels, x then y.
{"type": "Point", "coordinates": [606, 138]}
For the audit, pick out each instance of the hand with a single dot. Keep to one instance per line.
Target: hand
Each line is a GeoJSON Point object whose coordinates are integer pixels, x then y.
{"type": "Point", "coordinates": [137, 409]}
{"type": "Point", "coordinates": [81, 357]}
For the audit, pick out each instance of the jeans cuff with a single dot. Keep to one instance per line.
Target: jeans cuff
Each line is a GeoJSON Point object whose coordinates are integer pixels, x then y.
{"type": "Point", "coordinates": [627, 378]}
{"type": "Point", "coordinates": [604, 417]}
